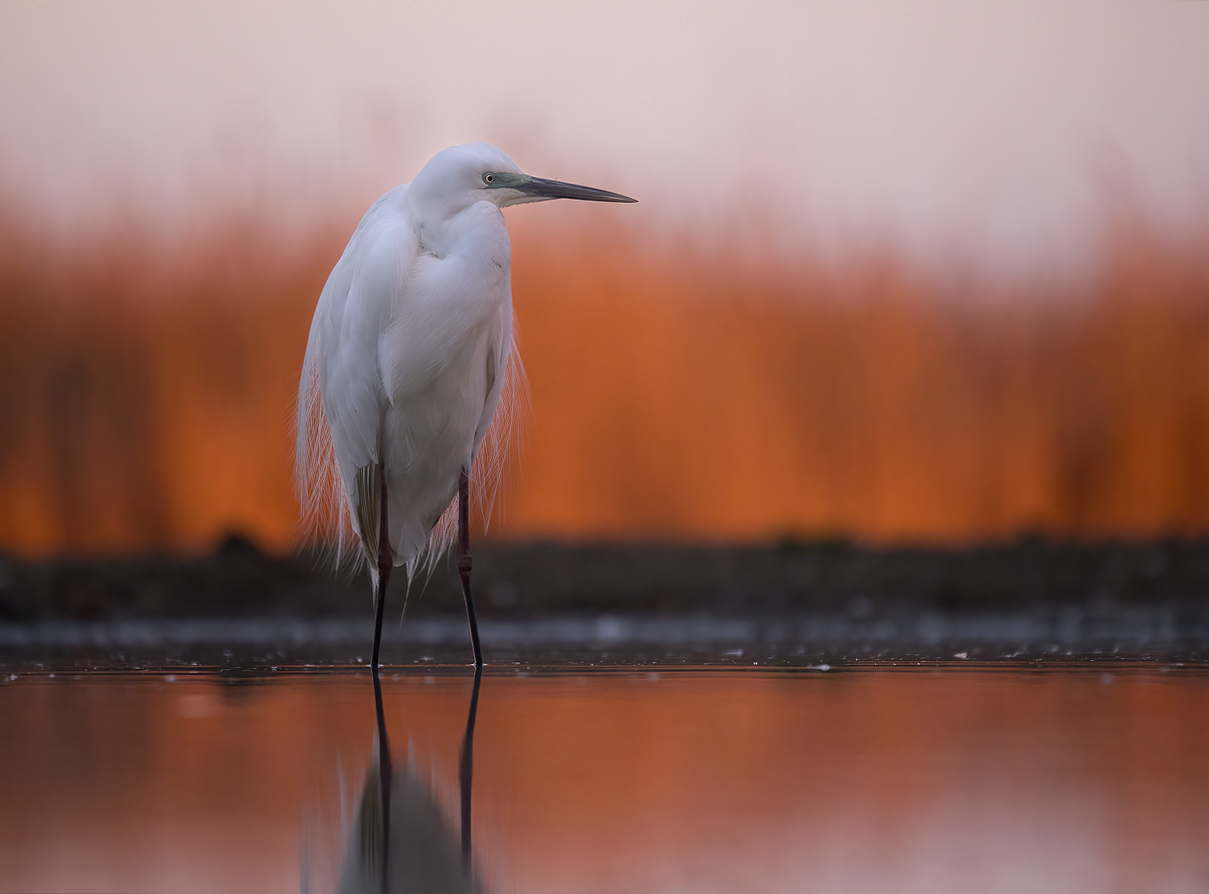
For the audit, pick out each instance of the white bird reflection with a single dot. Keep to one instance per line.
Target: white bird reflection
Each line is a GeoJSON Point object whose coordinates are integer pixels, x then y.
{"type": "Point", "coordinates": [399, 839]}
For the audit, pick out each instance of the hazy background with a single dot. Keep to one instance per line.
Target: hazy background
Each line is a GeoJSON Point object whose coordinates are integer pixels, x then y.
{"type": "Point", "coordinates": [935, 272]}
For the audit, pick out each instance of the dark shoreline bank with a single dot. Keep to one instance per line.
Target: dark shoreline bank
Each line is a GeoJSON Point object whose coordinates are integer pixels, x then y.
{"type": "Point", "coordinates": [523, 581]}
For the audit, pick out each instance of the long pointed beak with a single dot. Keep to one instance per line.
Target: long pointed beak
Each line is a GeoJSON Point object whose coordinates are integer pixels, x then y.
{"type": "Point", "coordinates": [540, 188]}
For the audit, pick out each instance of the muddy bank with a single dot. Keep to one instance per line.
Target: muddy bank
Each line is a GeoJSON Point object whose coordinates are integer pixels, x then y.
{"type": "Point", "coordinates": [526, 580]}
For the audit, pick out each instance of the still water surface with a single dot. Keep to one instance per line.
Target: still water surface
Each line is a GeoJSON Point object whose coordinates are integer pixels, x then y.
{"type": "Point", "coordinates": [936, 780]}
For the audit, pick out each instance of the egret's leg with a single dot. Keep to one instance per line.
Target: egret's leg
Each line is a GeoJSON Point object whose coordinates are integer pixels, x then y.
{"type": "Point", "coordinates": [464, 561]}
{"type": "Point", "coordinates": [385, 562]}
{"type": "Point", "coordinates": [466, 767]}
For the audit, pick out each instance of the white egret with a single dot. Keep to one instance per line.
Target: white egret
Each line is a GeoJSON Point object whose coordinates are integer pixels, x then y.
{"type": "Point", "coordinates": [407, 356]}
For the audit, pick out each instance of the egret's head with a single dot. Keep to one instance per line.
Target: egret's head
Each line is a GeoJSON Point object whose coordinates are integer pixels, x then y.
{"type": "Point", "coordinates": [473, 172]}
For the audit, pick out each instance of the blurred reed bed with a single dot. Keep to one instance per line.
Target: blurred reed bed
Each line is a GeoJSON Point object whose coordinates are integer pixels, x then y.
{"type": "Point", "coordinates": [146, 395]}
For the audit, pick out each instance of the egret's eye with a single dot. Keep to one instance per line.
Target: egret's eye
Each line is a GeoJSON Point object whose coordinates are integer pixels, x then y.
{"type": "Point", "coordinates": [489, 178]}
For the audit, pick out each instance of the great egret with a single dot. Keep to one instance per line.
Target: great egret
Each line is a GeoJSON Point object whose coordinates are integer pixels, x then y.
{"type": "Point", "coordinates": [407, 357]}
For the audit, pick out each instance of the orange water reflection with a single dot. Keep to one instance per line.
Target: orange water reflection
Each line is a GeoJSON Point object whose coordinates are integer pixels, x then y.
{"type": "Point", "coordinates": [861, 781]}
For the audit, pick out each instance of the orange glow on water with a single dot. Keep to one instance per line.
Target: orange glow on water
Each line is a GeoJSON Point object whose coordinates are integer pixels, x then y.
{"type": "Point", "coordinates": [902, 780]}
{"type": "Point", "coordinates": [146, 400]}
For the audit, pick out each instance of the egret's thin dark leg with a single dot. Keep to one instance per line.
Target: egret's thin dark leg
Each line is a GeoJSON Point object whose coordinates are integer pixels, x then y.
{"type": "Point", "coordinates": [464, 562]}
{"type": "Point", "coordinates": [384, 779]}
{"type": "Point", "coordinates": [466, 767]}
{"type": "Point", "coordinates": [385, 563]}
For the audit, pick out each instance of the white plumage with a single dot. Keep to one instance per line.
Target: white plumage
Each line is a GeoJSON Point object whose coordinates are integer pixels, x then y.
{"type": "Point", "coordinates": [410, 348]}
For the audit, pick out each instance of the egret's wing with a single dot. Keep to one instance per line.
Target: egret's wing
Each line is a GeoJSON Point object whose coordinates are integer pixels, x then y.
{"type": "Point", "coordinates": [498, 357]}
{"type": "Point", "coordinates": [499, 428]}
{"type": "Point", "coordinates": [342, 378]}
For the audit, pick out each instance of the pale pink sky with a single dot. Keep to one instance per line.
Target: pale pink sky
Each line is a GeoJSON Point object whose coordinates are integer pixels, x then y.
{"type": "Point", "coordinates": [996, 130]}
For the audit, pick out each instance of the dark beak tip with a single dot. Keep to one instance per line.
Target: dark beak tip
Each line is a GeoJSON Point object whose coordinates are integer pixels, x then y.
{"type": "Point", "coordinates": [618, 198]}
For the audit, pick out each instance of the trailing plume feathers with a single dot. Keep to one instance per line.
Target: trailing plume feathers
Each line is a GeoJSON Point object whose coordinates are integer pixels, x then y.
{"type": "Point", "coordinates": [327, 509]}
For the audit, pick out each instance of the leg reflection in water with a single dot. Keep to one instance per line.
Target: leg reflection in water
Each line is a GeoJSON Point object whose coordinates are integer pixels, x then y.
{"type": "Point", "coordinates": [466, 768]}
{"type": "Point", "coordinates": [400, 840]}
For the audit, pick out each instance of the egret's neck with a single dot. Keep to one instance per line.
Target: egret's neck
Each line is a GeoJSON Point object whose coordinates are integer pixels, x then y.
{"type": "Point", "coordinates": [442, 229]}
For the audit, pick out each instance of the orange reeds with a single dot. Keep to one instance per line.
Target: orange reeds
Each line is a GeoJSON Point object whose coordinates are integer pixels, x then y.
{"type": "Point", "coordinates": [146, 400]}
